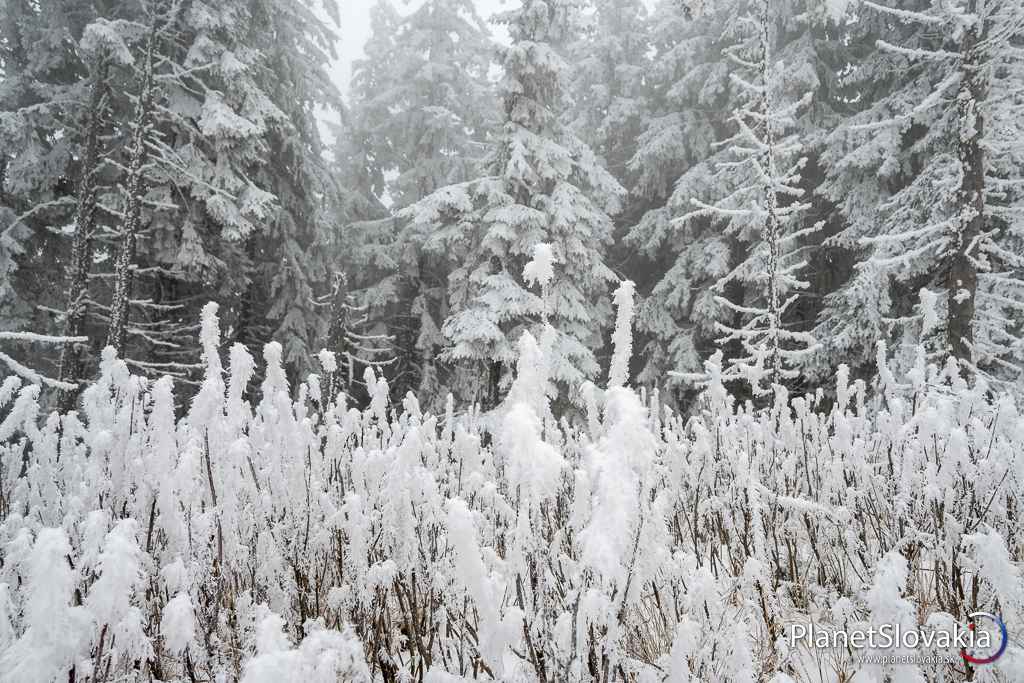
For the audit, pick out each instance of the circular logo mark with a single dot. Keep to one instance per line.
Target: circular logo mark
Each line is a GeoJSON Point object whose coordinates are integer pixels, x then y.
{"type": "Point", "coordinates": [999, 639]}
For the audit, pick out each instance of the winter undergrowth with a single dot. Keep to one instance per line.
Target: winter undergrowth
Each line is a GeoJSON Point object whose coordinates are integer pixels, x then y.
{"type": "Point", "coordinates": [288, 535]}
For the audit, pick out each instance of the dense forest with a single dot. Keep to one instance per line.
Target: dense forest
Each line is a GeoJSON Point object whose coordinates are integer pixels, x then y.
{"type": "Point", "coordinates": [790, 182]}
{"type": "Point", "coordinates": [597, 341]}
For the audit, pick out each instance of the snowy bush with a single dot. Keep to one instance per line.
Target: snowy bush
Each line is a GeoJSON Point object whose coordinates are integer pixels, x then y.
{"type": "Point", "coordinates": [291, 536]}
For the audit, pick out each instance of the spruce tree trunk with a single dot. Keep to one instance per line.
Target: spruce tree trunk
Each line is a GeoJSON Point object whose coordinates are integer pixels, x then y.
{"type": "Point", "coordinates": [493, 396]}
{"type": "Point", "coordinates": [771, 201]}
{"type": "Point", "coordinates": [82, 245]}
{"type": "Point", "coordinates": [336, 332]}
{"type": "Point", "coordinates": [962, 280]}
{"type": "Point", "coordinates": [135, 189]}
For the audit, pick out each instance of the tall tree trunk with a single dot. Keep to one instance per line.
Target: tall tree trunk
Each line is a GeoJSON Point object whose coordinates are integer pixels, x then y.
{"type": "Point", "coordinates": [493, 396]}
{"type": "Point", "coordinates": [962, 280]}
{"type": "Point", "coordinates": [771, 201]}
{"type": "Point", "coordinates": [336, 332]}
{"type": "Point", "coordinates": [135, 189]}
{"type": "Point", "coordinates": [3, 178]}
{"type": "Point", "coordinates": [82, 245]}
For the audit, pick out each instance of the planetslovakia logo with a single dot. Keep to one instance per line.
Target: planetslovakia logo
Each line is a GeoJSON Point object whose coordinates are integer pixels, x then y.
{"type": "Point", "coordinates": [1002, 639]}
{"type": "Point", "coordinates": [982, 641]}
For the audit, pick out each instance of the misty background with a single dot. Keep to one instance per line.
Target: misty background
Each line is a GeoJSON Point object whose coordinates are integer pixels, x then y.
{"type": "Point", "coordinates": [354, 29]}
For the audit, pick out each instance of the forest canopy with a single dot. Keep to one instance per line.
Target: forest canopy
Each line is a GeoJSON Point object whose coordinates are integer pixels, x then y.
{"type": "Point", "coordinates": [789, 182]}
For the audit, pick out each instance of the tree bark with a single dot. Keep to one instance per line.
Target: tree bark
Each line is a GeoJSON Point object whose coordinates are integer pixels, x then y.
{"type": "Point", "coordinates": [962, 282]}
{"type": "Point", "coordinates": [82, 246]}
{"type": "Point", "coordinates": [336, 332]}
{"type": "Point", "coordinates": [135, 189]}
{"type": "Point", "coordinates": [772, 228]}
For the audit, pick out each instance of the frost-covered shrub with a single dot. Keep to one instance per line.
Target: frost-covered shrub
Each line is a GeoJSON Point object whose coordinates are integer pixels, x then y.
{"type": "Point", "coordinates": [291, 536]}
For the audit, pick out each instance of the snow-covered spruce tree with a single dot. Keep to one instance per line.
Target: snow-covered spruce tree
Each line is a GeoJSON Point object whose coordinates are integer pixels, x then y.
{"type": "Point", "coordinates": [51, 111]}
{"type": "Point", "coordinates": [300, 248]}
{"type": "Point", "coordinates": [611, 99]}
{"type": "Point", "coordinates": [204, 191]}
{"type": "Point", "coordinates": [927, 175]}
{"type": "Point", "coordinates": [82, 246]}
{"type": "Point", "coordinates": [683, 91]}
{"type": "Point", "coordinates": [422, 105]}
{"type": "Point", "coordinates": [208, 201]}
{"type": "Point", "coordinates": [544, 185]}
{"type": "Point", "coordinates": [263, 232]}
{"type": "Point", "coordinates": [696, 86]}
{"type": "Point", "coordinates": [361, 277]}
{"type": "Point", "coordinates": [163, 20]}
{"type": "Point", "coordinates": [421, 96]}
{"type": "Point", "coordinates": [57, 156]}
{"type": "Point", "coordinates": [761, 180]}
{"type": "Point", "coordinates": [71, 60]}
{"type": "Point", "coordinates": [610, 63]}
{"type": "Point", "coordinates": [747, 208]}
{"type": "Point", "coordinates": [185, 194]}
